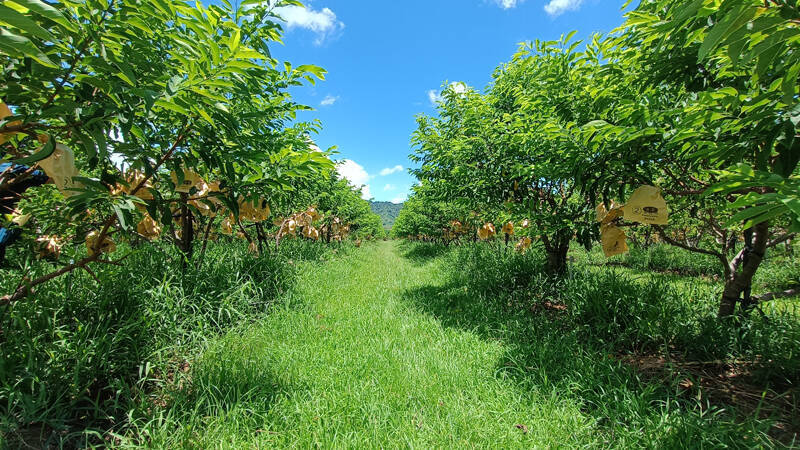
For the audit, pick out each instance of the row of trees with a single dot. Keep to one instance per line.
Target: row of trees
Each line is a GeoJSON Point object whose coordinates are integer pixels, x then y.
{"type": "Point", "coordinates": [157, 115]}
{"type": "Point", "coordinates": [699, 99]}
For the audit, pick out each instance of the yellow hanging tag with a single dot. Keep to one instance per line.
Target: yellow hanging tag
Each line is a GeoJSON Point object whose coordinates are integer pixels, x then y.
{"type": "Point", "coordinates": [646, 205]}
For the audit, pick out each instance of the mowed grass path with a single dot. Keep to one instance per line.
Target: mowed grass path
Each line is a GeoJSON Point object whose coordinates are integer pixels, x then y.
{"type": "Point", "coordinates": [350, 362]}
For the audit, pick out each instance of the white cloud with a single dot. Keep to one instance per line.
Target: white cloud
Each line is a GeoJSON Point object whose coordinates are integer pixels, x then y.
{"type": "Point", "coordinates": [558, 7]}
{"type": "Point", "coordinates": [389, 187]}
{"type": "Point", "coordinates": [391, 170]}
{"type": "Point", "coordinates": [356, 175]}
{"type": "Point", "coordinates": [458, 87]}
{"type": "Point", "coordinates": [329, 100]}
{"type": "Point", "coordinates": [435, 96]}
{"type": "Point", "coordinates": [365, 192]}
{"type": "Point", "coordinates": [322, 22]}
{"type": "Point", "coordinates": [508, 4]}
{"type": "Point", "coordinates": [400, 199]}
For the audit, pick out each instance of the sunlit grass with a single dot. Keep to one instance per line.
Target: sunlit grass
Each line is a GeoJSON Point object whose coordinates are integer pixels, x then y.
{"type": "Point", "coordinates": [400, 345]}
{"type": "Point", "coordinates": [390, 345]}
{"type": "Point", "coordinates": [350, 362]}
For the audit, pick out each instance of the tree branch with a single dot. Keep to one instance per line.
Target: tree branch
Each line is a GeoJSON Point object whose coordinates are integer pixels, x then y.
{"type": "Point", "coordinates": [776, 295]}
{"type": "Point", "coordinates": [690, 248]}
{"type": "Point", "coordinates": [780, 239]}
{"type": "Point", "coordinates": [23, 290]}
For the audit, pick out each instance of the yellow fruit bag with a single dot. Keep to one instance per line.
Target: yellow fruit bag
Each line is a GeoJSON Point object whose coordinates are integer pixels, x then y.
{"type": "Point", "coordinates": [190, 180]}
{"type": "Point", "coordinates": [106, 246]}
{"type": "Point", "coordinates": [60, 166]}
{"type": "Point", "coordinates": [606, 216]}
{"type": "Point", "coordinates": [486, 231]}
{"type": "Point", "coordinates": [508, 229]}
{"type": "Point", "coordinates": [614, 241]}
{"type": "Point", "coordinates": [5, 112]}
{"type": "Point", "coordinates": [227, 226]}
{"type": "Point", "coordinates": [524, 244]}
{"type": "Point", "coordinates": [646, 205]}
{"type": "Point", "coordinates": [148, 228]}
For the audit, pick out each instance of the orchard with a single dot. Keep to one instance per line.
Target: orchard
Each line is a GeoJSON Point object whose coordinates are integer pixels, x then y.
{"type": "Point", "coordinates": [596, 249]}
{"type": "Point", "coordinates": [698, 104]}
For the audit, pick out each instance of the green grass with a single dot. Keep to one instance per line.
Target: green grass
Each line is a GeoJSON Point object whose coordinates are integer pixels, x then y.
{"type": "Point", "coordinates": [425, 347]}
{"type": "Point", "coordinates": [357, 365]}
{"type": "Point", "coordinates": [391, 345]}
{"type": "Point", "coordinates": [77, 356]}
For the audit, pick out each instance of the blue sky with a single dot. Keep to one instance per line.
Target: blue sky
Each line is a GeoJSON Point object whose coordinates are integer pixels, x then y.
{"type": "Point", "coordinates": [387, 60]}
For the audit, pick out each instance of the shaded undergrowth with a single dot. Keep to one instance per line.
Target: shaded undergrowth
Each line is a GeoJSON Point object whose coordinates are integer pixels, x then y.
{"type": "Point", "coordinates": [576, 336]}
{"type": "Point", "coordinates": [76, 357]}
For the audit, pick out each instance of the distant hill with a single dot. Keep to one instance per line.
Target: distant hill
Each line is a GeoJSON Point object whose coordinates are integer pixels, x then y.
{"type": "Point", "coordinates": [388, 212]}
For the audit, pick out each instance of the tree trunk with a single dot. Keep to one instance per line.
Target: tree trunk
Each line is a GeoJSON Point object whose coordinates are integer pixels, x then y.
{"type": "Point", "coordinates": [205, 240]}
{"type": "Point", "coordinates": [557, 248]}
{"type": "Point", "coordinates": [187, 230]}
{"type": "Point", "coordinates": [557, 260]}
{"type": "Point", "coordinates": [261, 238]}
{"type": "Point", "coordinates": [738, 281]}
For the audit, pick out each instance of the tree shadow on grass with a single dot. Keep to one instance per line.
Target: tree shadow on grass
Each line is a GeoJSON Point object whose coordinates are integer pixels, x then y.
{"type": "Point", "coordinates": [231, 386]}
{"type": "Point", "coordinates": [548, 352]}
{"type": "Point", "coordinates": [74, 359]}
{"type": "Point", "coordinates": [421, 254]}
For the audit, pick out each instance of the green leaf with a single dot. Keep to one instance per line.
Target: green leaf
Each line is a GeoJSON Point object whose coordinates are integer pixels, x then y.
{"type": "Point", "coordinates": [789, 83]}
{"type": "Point", "coordinates": [45, 10]}
{"type": "Point", "coordinates": [126, 74]}
{"type": "Point", "coordinates": [317, 71]}
{"type": "Point", "coordinates": [766, 217]}
{"type": "Point", "coordinates": [172, 107]}
{"type": "Point", "coordinates": [45, 152]}
{"type": "Point", "coordinates": [733, 21]}
{"type": "Point", "coordinates": [793, 203]}
{"type": "Point", "coordinates": [205, 116]}
{"type": "Point", "coordinates": [248, 53]}
{"type": "Point", "coordinates": [20, 21]}
{"type": "Point", "coordinates": [120, 216]}
{"type": "Point", "coordinates": [23, 46]}
{"type": "Point", "coordinates": [750, 213]}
